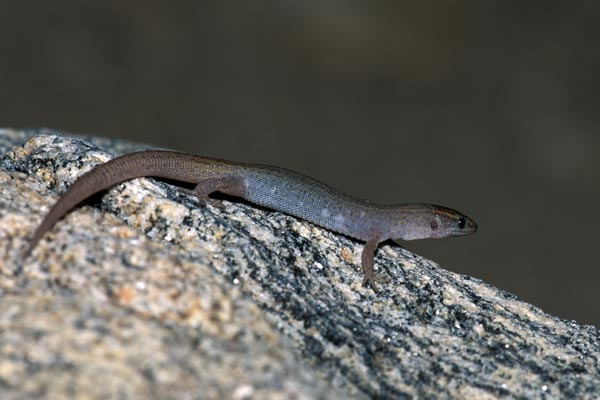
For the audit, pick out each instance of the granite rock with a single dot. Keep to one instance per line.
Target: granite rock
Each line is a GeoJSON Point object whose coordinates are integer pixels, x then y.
{"type": "Point", "coordinates": [142, 293]}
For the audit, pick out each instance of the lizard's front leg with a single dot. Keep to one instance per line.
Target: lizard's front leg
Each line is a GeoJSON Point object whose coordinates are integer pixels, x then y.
{"type": "Point", "coordinates": [368, 263]}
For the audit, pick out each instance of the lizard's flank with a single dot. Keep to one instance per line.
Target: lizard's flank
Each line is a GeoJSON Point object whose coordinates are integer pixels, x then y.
{"type": "Point", "coordinates": [272, 187]}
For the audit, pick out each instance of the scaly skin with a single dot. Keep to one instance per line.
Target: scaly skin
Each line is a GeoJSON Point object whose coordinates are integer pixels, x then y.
{"type": "Point", "coordinates": [272, 187]}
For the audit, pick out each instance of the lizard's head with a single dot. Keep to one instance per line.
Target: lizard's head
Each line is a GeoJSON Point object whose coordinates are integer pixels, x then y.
{"type": "Point", "coordinates": [424, 221]}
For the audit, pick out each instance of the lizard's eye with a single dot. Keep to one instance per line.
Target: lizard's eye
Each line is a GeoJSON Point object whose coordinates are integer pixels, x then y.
{"type": "Point", "coordinates": [433, 224]}
{"type": "Point", "coordinates": [462, 223]}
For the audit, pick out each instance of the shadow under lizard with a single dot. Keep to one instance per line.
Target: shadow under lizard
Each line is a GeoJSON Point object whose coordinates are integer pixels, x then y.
{"type": "Point", "coordinates": [275, 188]}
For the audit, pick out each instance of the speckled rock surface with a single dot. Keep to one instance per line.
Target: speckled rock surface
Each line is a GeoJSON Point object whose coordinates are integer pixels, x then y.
{"type": "Point", "coordinates": [141, 293]}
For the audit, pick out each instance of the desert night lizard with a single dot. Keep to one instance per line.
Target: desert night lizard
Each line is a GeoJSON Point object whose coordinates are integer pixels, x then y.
{"type": "Point", "coordinates": [275, 188]}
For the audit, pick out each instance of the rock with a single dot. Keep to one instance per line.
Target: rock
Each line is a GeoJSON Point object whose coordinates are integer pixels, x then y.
{"type": "Point", "coordinates": [141, 292]}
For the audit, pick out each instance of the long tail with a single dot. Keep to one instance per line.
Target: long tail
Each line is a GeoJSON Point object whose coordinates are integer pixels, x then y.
{"type": "Point", "coordinates": [102, 177]}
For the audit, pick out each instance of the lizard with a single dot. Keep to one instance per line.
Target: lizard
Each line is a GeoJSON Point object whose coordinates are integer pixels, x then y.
{"type": "Point", "coordinates": [275, 188]}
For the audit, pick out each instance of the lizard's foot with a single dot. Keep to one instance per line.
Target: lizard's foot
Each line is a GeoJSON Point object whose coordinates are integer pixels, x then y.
{"type": "Point", "coordinates": [373, 280]}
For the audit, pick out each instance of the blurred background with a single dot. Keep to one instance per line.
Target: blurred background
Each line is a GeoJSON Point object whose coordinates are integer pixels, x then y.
{"type": "Point", "coordinates": [488, 107]}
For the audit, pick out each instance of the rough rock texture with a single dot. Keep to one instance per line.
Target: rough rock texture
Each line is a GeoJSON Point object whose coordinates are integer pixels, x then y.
{"type": "Point", "coordinates": [141, 293]}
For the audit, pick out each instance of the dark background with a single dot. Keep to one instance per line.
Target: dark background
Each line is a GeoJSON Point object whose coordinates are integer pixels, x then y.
{"type": "Point", "coordinates": [488, 107]}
